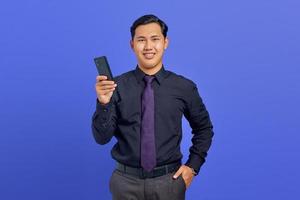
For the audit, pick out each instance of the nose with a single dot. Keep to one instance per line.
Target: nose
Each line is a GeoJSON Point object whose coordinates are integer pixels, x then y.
{"type": "Point", "coordinates": [148, 45]}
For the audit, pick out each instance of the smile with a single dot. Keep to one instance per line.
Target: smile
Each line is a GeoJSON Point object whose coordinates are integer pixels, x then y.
{"type": "Point", "coordinates": [149, 55]}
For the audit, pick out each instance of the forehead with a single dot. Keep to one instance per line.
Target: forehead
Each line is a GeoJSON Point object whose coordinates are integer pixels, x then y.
{"type": "Point", "coordinates": [148, 30]}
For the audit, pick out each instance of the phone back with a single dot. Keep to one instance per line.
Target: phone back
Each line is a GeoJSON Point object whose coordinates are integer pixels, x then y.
{"type": "Point", "coordinates": [103, 67]}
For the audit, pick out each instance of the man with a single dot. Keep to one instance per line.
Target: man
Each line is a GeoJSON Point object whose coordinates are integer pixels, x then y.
{"type": "Point", "coordinates": [143, 109]}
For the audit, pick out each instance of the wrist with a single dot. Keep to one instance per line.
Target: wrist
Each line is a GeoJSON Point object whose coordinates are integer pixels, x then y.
{"type": "Point", "coordinates": [193, 171]}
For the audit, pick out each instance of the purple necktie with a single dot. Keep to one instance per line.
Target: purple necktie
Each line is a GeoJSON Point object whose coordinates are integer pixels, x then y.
{"type": "Point", "coordinates": [148, 154]}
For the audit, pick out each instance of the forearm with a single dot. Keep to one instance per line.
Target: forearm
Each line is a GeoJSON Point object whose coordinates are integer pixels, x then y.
{"type": "Point", "coordinates": [104, 123]}
{"type": "Point", "coordinates": [202, 130]}
{"type": "Point", "coordinates": [201, 142]}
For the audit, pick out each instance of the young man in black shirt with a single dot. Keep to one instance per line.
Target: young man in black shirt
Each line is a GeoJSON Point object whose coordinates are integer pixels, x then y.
{"type": "Point", "coordinates": [143, 109]}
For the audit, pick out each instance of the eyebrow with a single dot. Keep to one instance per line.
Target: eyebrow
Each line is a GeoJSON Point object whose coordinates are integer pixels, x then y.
{"type": "Point", "coordinates": [153, 36]}
{"type": "Point", "coordinates": [140, 37]}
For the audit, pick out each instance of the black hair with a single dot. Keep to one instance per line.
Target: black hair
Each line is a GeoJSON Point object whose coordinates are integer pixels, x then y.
{"type": "Point", "coordinates": [147, 19]}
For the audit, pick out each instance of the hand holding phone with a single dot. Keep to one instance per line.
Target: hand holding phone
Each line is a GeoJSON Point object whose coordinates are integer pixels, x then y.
{"type": "Point", "coordinates": [104, 82]}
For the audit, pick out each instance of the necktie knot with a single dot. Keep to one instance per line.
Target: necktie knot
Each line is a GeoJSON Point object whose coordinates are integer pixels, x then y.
{"type": "Point", "coordinates": [148, 79]}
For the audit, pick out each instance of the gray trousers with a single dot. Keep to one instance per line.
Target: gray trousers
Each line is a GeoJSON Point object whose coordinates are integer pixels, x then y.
{"type": "Point", "coordinates": [127, 187]}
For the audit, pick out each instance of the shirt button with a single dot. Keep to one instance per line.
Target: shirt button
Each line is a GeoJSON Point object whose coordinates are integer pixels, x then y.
{"type": "Point", "coordinates": [105, 110]}
{"type": "Point", "coordinates": [104, 118]}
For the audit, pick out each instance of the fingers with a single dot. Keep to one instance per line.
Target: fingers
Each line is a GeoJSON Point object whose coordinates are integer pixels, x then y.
{"type": "Point", "coordinates": [104, 84]}
{"type": "Point", "coordinates": [186, 174]}
{"type": "Point", "coordinates": [179, 171]}
{"type": "Point", "coordinates": [102, 91]}
{"type": "Point", "coordinates": [105, 91]}
{"type": "Point", "coordinates": [103, 79]}
{"type": "Point", "coordinates": [100, 78]}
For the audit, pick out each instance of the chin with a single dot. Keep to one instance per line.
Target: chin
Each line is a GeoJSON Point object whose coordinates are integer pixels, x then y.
{"type": "Point", "coordinates": [149, 65]}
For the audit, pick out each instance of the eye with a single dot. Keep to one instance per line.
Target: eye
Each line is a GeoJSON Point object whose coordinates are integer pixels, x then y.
{"type": "Point", "coordinates": [141, 40]}
{"type": "Point", "coordinates": [156, 39]}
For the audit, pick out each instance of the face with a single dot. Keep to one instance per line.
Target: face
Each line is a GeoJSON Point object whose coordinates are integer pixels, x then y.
{"type": "Point", "coordinates": [149, 45]}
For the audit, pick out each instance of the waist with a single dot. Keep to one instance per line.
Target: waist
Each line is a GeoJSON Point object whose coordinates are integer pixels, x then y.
{"type": "Point", "coordinates": [143, 174]}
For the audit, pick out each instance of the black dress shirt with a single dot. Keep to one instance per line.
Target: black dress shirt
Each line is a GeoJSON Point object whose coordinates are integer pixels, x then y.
{"type": "Point", "coordinates": [174, 96]}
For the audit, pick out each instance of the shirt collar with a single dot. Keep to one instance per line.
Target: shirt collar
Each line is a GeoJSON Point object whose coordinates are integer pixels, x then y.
{"type": "Point", "coordinates": [160, 75]}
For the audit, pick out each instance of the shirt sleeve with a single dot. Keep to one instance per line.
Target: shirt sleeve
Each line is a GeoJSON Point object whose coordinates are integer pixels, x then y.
{"type": "Point", "coordinates": [104, 121]}
{"type": "Point", "coordinates": [198, 117]}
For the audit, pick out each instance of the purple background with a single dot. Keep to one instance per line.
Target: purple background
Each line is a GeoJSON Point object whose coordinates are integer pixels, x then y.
{"type": "Point", "coordinates": [243, 55]}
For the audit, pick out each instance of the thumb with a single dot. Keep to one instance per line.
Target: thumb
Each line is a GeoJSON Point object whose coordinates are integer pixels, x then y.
{"type": "Point", "coordinates": [179, 171]}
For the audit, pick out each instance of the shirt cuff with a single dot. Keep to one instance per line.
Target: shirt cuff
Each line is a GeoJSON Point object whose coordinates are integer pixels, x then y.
{"type": "Point", "coordinates": [103, 111]}
{"type": "Point", "coordinates": [195, 162]}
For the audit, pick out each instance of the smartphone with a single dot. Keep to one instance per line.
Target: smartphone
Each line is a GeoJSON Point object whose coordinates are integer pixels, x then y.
{"type": "Point", "coordinates": [103, 67]}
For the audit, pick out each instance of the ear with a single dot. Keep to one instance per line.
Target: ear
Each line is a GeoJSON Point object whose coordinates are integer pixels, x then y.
{"type": "Point", "coordinates": [166, 43]}
{"type": "Point", "coordinates": [131, 44]}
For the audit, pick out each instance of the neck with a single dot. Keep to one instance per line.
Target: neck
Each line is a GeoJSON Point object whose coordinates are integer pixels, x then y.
{"type": "Point", "coordinates": [152, 70]}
